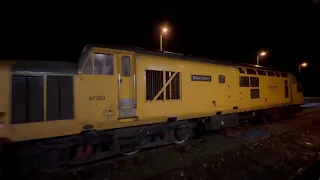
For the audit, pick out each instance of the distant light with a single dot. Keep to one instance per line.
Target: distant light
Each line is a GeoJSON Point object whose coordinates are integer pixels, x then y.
{"type": "Point", "coordinates": [164, 30]}
{"type": "Point", "coordinates": [263, 53]}
{"type": "Point", "coordinates": [304, 64]}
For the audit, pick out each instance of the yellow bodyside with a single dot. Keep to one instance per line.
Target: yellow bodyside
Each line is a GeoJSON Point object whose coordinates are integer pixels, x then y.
{"type": "Point", "coordinates": [124, 101]}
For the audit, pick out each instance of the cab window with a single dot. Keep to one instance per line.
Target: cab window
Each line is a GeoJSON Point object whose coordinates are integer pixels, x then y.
{"type": "Point", "coordinates": [103, 64]}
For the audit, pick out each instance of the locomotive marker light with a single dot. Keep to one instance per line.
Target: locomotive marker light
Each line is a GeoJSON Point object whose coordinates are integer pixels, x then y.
{"type": "Point", "coordinates": [304, 64]}
{"type": "Point", "coordinates": [261, 54]}
{"type": "Point", "coordinates": [164, 31]}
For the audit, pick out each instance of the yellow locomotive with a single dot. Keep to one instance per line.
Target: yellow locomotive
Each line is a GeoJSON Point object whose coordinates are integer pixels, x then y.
{"type": "Point", "coordinates": [119, 100]}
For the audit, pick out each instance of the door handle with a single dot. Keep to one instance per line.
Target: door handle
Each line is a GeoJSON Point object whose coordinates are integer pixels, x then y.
{"type": "Point", "coordinates": [121, 79]}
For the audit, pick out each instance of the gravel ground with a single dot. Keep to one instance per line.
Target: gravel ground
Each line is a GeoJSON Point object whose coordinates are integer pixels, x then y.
{"type": "Point", "coordinates": [269, 151]}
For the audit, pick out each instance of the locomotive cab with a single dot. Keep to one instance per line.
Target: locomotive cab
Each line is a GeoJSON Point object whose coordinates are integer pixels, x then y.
{"type": "Point", "coordinates": [295, 90]}
{"type": "Point", "coordinates": [106, 86]}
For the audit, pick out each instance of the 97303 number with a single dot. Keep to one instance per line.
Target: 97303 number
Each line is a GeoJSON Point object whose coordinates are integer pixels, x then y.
{"type": "Point", "coordinates": [94, 98]}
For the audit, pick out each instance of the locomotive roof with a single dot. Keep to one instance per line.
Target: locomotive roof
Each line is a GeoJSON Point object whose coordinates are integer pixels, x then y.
{"type": "Point", "coordinates": [60, 67]}
{"type": "Point", "coordinates": [167, 54]}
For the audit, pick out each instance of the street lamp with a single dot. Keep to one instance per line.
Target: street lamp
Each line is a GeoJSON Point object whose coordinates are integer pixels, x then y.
{"type": "Point", "coordinates": [164, 31]}
{"type": "Point", "coordinates": [304, 64]}
{"type": "Point", "coordinates": [261, 54]}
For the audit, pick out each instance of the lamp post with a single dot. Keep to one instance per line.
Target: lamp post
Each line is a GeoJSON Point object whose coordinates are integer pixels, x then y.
{"type": "Point", "coordinates": [304, 64]}
{"type": "Point", "coordinates": [261, 54]}
{"type": "Point", "coordinates": [163, 31]}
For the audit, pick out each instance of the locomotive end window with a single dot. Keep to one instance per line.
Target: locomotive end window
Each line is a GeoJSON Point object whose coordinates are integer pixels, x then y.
{"type": "Point", "coordinates": [254, 93]}
{"type": "Point", "coordinates": [254, 82]}
{"type": "Point", "coordinates": [244, 81]}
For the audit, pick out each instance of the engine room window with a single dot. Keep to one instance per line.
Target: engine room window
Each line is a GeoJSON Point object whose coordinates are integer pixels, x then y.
{"type": "Point", "coordinates": [154, 83]}
{"type": "Point", "coordinates": [125, 66]}
{"type": "Point", "coordinates": [244, 81]}
{"type": "Point", "coordinates": [254, 93]}
{"type": "Point", "coordinates": [103, 64]}
{"type": "Point", "coordinates": [260, 72]}
{"type": "Point", "coordinates": [60, 98]}
{"type": "Point", "coordinates": [222, 79]}
{"type": "Point", "coordinates": [251, 71]}
{"type": "Point", "coordinates": [173, 88]}
{"type": "Point", "coordinates": [241, 70]}
{"type": "Point", "coordinates": [27, 99]}
{"type": "Point", "coordinates": [254, 82]}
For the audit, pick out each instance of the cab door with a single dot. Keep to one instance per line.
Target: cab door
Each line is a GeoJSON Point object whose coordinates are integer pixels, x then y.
{"type": "Point", "coordinates": [126, 81]}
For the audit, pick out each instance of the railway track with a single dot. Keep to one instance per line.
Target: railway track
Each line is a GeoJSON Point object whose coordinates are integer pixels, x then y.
{"type": "Point", "coordinates": [212, 153]}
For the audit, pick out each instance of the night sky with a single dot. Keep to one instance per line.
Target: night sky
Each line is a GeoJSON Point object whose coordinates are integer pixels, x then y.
{"type": "Point", "coordinates": [225, 30]}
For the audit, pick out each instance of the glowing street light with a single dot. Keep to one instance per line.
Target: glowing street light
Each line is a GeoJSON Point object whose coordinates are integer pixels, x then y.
{"type": "Point", "coordinates": [304, 64]}
{"type": "Point", "coordinates": [261, 54]}
{"type": "Point", "coordinates": [164, 31]}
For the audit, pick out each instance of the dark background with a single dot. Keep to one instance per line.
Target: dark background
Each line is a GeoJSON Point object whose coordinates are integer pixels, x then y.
{"type": "Point", "coordinates": [226, 30]}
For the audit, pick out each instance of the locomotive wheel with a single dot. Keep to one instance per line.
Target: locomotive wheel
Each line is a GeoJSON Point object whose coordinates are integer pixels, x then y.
{"type": "Point", "coordinates": [181, 135]}
{"type": "Point", "coordinates": [140, 136]}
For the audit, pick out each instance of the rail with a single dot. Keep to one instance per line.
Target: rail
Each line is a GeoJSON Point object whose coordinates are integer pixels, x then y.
{"type": "Point", "coordinates": [308, 100]}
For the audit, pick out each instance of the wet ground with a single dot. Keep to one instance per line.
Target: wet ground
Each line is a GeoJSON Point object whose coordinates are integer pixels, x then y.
{"type": "Point", "coordinates": [271, 151]}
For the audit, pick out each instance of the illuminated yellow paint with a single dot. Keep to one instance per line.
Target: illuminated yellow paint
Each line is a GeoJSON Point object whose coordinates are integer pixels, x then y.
{"type": "Point", "coordinates": [198, 99]}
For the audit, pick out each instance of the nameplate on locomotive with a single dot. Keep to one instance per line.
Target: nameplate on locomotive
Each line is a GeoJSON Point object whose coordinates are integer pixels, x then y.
{"type": "Point", "coordinates": [200, 78]}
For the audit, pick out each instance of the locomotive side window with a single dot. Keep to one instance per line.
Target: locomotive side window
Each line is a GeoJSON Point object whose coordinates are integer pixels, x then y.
{"type": "Point", "coordinates": [254, 82]}
{"type": "Point", "coordinates": [260, 72]}
{"type": "Point", "coordinates": [251, 71]}
{"type": "Point", "coordinates": [244, 81]}
{"type": "Point", "coordinates": [270, 73]}
{"type": "Point", "coordinates": [125, 66]}
{"type": "Point", "coordinates": [88, 66]}
{"type": "Point", "coordinates": [254, 93]}
{"type": "Point", "coordinates": [103, 64]}
{"type": "Point", "coordinates": [222, 79]}
{"type": "Point", "coordinates": [278, 74]}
